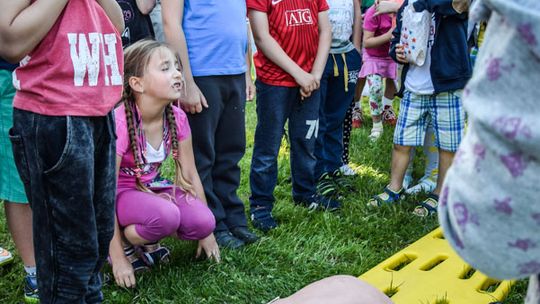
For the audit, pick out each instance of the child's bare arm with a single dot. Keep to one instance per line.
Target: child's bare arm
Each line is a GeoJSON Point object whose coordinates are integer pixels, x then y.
{"type": "Point", "coordinates": [172, 13]}
{"type": "Point", "coordinates": [122, 270]}
{"type": "Point", "coordinates": [24, 25]}
{"type": "Point", "coordinates": [357, 25]}
{"type": "Point", "coordinates": [273, 51]}
{"type": "Point", "coordinates": [325, 39]}
{"type": "Point", "coordinates": [146, 6]}
{"type": "Point", "coordinates": [370, 41]}
{"type": "Point", "coordinates": [114, 12]}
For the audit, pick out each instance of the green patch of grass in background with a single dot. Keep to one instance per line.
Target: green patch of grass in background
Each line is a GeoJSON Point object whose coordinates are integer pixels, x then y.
{"type": "Point", "coordinates": [306, 247]}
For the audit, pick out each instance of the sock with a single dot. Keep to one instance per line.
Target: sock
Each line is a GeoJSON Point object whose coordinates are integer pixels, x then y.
{"type": "Point", "coordinates": [357, 104]}
{"type": "Point", "coordinates": [387, 102]}
{"type": "Point", "coordinates": [30, 270]}
{"type": "Point", "coordinates": [378, 125]}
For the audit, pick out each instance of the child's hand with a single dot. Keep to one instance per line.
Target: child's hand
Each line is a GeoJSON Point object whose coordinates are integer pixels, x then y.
{"type": "Point", "coordinates": [307, 83]}
{"type": "Point", "coordinates": [123, 273]}
{"type": "Point", "coordinates": [304, 94]}
{"type": "Point", "coordinates": [400, 54]}
{"type": "Point", "coordinates": [250, 88]}
{"type": "Point", "coordinates": [194, 101]}
{"type": "Point", "coordinates": [386, 7]}
{"type": "Point", "coordinates": [210, 247]}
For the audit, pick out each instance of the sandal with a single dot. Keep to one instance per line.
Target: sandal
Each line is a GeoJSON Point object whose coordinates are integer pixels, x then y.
{"type": "Point", "coordinates": [375, 134]}
{"type": "Point", "coordinates": [155, 254]}
{"type": "Point", "coordinates": [387, 197]}
{"type": "Point", "coordinates": [428, 206]}
{"type": "Point", "coordinates": [136, 262]}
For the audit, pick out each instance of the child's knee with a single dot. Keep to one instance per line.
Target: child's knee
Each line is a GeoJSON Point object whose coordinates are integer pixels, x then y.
{"type": "Point", "coordinates": [402, 149]}
{"type": "Point", "coordinates": [163, 224]}
{"type": "Point", "coordinates": [197, 224]}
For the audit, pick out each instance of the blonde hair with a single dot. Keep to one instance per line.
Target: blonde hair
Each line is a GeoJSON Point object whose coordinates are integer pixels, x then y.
{"type": "Point", "coordinates": [136, 59]}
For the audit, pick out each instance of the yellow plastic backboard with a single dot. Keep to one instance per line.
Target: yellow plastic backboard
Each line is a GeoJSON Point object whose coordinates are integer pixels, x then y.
{"type": "Point", "coordinates": [429, 271]}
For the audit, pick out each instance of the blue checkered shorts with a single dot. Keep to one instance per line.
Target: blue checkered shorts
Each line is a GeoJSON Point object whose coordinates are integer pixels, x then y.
{"type": "Point", "coordinates": [446, 112]}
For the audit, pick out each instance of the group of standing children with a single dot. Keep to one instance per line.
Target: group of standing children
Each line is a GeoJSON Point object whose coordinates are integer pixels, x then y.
{"type": "Point", "coordinates": [72, 75]}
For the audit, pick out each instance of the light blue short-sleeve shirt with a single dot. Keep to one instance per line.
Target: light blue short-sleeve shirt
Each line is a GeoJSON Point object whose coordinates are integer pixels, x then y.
{"type": "Point", "coordinates": [216, 36]}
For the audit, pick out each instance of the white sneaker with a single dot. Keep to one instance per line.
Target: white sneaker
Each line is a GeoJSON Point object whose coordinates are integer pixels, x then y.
{"type": "Point", "coordinates": [5, 256]}
{"type": "Point", "coordinates": [425, 185]}
{"type": "Point", "coordinates": [346, 170]}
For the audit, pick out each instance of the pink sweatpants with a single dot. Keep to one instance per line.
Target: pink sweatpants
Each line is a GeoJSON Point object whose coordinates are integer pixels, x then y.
{"type": "Point", "coordinates": [156, 217]}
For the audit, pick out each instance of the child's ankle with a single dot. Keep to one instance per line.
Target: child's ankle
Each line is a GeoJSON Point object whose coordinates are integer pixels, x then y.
{"type": "Point", "coordinates": [378, 125]}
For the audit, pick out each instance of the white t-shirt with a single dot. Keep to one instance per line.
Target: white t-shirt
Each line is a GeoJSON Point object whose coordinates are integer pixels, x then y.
{"type": "Point", "coordinates": [341, 16]}
{"type": "Point", "coordinates": [153, 155]}
{"type": "Point", "coordinates": [418, 80]}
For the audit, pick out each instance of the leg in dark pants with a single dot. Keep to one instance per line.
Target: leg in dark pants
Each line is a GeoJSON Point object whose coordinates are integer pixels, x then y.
{"type": "Point", "coordinates": [218, 135]}
{"type": "Point", "coordinates": [273, 108]}
{"type": "Point", "coordinates": [337, 95]}
{"type": "Point", "coordinates": [58, 158]}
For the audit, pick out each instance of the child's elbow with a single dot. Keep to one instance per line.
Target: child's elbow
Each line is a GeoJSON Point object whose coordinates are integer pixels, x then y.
{"type": "Point", "coordinates": [11, 52]}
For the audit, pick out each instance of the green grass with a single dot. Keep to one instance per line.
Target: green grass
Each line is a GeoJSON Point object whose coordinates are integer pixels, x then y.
{"type": "Point", "coordinates": [306, 247]}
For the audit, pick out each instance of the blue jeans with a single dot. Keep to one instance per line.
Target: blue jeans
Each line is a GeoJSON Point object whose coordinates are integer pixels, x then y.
{"type": "Point", "coordinates": [67, 165]}
{"type": "Point", "coordinates": [336, 97]}
{"type": "Point", "coordinates": [276, 104]}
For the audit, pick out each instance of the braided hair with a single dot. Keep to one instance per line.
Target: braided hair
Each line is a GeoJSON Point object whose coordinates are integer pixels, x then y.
{"type": "Point", "coordinates": [136, 59]}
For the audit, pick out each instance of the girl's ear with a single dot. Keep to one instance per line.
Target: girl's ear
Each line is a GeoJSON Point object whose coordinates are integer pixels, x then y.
{"type": "Point", "coordinates": [136, 84]}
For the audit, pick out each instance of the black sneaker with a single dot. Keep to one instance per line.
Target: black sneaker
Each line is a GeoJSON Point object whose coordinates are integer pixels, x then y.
{"type": "Point", "coordinates": [342, 181]}
{"type": "Point", "coordinates": [226, 240]}
{"type": "Point", "coordinates": [320, 202]}
{"type": "Point", "coordinates": [244, 234]}
{"type": "Point", "coordinates": [262, 219]}
{"type": "Point", "coordinates": [326, 185]}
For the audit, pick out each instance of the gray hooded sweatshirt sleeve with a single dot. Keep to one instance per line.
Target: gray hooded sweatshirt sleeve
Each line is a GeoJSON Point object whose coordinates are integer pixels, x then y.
{"type": "Point", "coordinates": [490, 202]}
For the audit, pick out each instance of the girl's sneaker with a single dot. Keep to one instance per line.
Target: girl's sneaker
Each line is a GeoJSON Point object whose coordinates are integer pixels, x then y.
{"type": "Point", "coordinates": [5, 256]}
{"type": "Point", "coordinates": [31, 294]}
{"type": "Point", "coordinates": [346, 170]}
{"type": "Point", "coordinates": [389, 115]}
{"type": "Point", "coordinates": [357, 117]}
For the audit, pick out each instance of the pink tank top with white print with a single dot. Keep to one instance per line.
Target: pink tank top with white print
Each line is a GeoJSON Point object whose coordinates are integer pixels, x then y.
{"type": "Point", "coordinates": [76, 69]}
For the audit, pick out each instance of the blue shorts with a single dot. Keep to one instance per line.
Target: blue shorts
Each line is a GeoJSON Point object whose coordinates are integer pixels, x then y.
{"type": "Point", "coordinates": [446, 112]}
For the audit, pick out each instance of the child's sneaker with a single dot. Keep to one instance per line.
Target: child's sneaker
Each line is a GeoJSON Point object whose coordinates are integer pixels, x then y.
{"type": "Point", "coordinates": [346, 170]}
{"type": "Point", "coordinates": [5, 256]}
{"type": "Point", "coordinates": [389, 115]}
{"type": "Point", "coordinates": [31, 295]}
{"type": "Point", "coordinates": [320, 202]}
{"type": "Point", "coordinates": [357, 117]}
{"type": "Point", "coordinates": [326, 185]}
{"type": "Point", "coordinates": [262, 219]}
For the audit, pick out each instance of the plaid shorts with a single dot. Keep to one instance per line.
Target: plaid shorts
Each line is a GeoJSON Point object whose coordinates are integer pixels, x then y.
{"type": "Point", "coordinates": [446, 112]}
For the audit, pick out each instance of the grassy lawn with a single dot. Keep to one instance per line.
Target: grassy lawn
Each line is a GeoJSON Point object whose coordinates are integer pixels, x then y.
{"type": "Point", "coordinates": [306, 247]}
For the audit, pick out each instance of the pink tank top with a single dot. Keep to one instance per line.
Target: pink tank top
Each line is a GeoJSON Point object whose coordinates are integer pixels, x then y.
{"type": "Point", "coordinates": [76, 69]}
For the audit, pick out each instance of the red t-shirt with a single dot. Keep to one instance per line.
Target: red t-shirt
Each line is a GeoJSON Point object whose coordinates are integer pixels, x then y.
{"type": "Point", "coordinates": [294, 25]}
{"type": "Point", "coordinates": [76, 69]}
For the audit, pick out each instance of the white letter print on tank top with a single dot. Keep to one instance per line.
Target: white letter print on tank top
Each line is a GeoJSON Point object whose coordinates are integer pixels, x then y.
{"type": "Point", "coordinates": [16, 82]}
{"type": "Point", "coordinates": [111, 60]}
{"type": "Point", "coordinates": [88, 60]}
{"type": "Point", "coordinates": [83, 60]}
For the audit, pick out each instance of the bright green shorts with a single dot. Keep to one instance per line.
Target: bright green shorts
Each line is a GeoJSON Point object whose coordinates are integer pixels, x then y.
{"type": "Point", "coordinates": [11, 187]}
